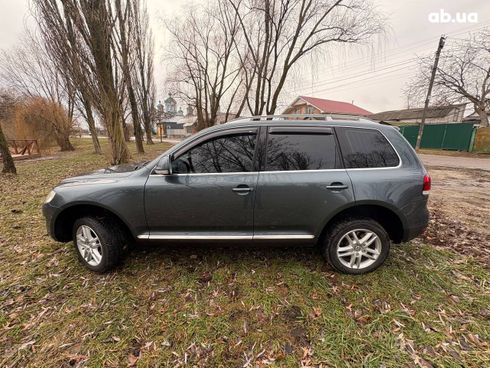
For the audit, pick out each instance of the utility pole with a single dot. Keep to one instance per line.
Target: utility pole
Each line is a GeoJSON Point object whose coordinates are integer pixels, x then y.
{"type": "Point", "coordinates": [429, 92]}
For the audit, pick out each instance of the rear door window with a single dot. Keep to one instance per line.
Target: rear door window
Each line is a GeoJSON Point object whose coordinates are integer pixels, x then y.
{"type": "Point", "coordinates": [301, 150]}
{"type": "Point", "coordinates": [366, 148]}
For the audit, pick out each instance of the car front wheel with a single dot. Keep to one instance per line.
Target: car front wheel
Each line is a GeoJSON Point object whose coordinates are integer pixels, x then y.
{"type": "Point", "coordinates": [98, 243]}
{"type": "Point", "coordinates": [356, 246]}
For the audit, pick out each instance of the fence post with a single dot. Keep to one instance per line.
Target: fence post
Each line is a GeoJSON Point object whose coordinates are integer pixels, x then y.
{"type": "Point", "coordinates": [444, 136]}
{"type": "Point", "coordinates": [472, 139]}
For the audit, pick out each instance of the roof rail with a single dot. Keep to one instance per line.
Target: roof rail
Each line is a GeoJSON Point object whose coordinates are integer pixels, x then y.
{"type": "Point", "coordinates": [326, 117]}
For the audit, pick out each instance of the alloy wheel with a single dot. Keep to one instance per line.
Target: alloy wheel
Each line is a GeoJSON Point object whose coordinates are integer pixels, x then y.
{"type": "Point", "coordinates": [88, 244]}
{"type": "Point", "coordinates": [359, 249]}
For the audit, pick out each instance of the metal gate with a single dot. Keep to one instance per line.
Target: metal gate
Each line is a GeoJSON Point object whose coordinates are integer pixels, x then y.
{"type": "Point", "coordinates": [458, 137]}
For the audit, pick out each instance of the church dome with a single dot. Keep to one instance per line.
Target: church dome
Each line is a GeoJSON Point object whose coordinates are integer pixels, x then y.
{"type": "Point", "coordinates": [170, 105]}
{"type": "Point", "coordinates": [170, 99]}
{"type": "Point", "coordinates": [160, 106]}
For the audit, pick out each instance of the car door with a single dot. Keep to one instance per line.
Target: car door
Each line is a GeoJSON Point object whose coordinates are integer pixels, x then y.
{"type": "Point", "coordinates": [210, 193]}
{"type": "Point", "coordinates": [301, 183]}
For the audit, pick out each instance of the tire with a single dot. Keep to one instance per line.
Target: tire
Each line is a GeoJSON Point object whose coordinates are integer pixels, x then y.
{"type": "Point", "coordinates": [347, 236]}
{"type": "Point", "coordinates": [108, 245]}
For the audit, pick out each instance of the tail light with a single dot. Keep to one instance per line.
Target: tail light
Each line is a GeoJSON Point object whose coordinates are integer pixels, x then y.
{"type": "Point", "coordinates": [426, 187]}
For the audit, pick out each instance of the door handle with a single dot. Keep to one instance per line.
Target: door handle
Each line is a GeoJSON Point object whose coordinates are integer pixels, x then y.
{"type": "Point", "coordinates": [337, 186]}
{"type": "Point", "coordinates": [242, 189]}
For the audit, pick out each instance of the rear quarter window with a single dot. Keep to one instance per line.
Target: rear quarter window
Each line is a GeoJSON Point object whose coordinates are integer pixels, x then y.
{"type": "Point", "coordinates": [366, 148]}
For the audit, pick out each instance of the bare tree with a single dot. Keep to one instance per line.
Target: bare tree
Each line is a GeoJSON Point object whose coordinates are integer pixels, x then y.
{"type": "Point", "coordinates": [29, 71]}
{"type": "Point", "coordinates": [463, 75]}
{"type": "Point", "coordinates": [239, 53]}
{"type": "Point", "coordinates": [125, 43]}
{"type": "Point", "coordinates": [6, 106]}
{"type": "Point", "coordinates": [34, 118]}
{"type": "Point", "coordinates": [278, 34]}
{"type": "Point", "coordinates": [63, 43]}
{"type": "Point", "coordinates": [92, 27]}
{"type": "Point", "coordinates": [143, 70]}
{"type": "Point", "coordinates": [207, 72]}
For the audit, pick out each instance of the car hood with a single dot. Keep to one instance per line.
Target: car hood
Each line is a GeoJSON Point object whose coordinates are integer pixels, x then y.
{"type": "Point", "coordinates": [107, 175]}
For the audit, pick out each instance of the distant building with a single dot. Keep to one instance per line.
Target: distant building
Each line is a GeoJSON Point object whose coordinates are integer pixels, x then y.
{"type": "Point", "coordinates": [172, 123]}
{"type": "Point", "coordinates": [435, 114]}
{"type": "Point", "coordinates": [170, 105]}
{"type": "Point", "coordinates": [473, 118]}
{"type": "Point", "coordinates": [314, 105]}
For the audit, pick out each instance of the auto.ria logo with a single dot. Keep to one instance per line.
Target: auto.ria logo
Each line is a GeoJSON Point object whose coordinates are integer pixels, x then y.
{"type": "Point", "coordinates": [459, 17]}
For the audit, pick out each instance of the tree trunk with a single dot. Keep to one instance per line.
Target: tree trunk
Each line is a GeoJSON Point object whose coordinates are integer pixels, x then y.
{"type": "Point", "coordinates": [8, 161]}
{"type": "Point", "coordinates": [125, 130]}
{"type": "Point", "coordinates": [484, 119]}
{"type": "Point", "coordinates": [147, 123]}
{"type": "Point", "coordinates": [149, 139]}
{"type": "Point", "coordinates": [120, 152]}
{"type": "Point", "coordinates": [91, 127]}
{"type": "Point", "coordinates": [482, 113]}
{"type": "Point", "coordinates": [64, 143]}
{"type": "Point", "coordinates": [138, 133]}
{"type": "Point", "coordinates": [201, 124]}
{"type": "Point", "coordinates": [126, 69]}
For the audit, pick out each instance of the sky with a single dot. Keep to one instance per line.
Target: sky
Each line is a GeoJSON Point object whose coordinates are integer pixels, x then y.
{"type": "Point", "coordinates": [372, 77]}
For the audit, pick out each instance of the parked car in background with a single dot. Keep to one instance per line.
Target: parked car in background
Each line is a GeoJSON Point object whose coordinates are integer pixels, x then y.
{"type": "Point", "coordinates": [347, 184]}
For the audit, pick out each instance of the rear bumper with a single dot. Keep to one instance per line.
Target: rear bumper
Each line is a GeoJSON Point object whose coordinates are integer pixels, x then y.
{"type": "Point", "coordinates": [417, 223]}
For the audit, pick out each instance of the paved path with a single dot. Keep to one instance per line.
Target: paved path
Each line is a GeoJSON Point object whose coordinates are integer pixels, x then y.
{"type": "Point", "coordinates": [168, 140]}
{"type": "Point", "coordinates": [455, 161]}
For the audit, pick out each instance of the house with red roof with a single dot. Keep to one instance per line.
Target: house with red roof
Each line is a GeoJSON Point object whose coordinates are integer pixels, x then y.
{"type": "Point", "coordinates": [314, 105]}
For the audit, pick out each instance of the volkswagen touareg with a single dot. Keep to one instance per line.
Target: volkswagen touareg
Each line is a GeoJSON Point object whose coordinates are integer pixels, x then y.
{"type": "Point", "coordinates": [350, 185]}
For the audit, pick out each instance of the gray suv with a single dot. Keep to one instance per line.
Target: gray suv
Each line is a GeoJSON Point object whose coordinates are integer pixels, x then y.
{"type": "Point", "coordinates": [351, 186]}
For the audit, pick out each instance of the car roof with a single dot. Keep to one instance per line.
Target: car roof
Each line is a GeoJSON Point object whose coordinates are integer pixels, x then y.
{"type": "Point", "coordinates": [252, 122]}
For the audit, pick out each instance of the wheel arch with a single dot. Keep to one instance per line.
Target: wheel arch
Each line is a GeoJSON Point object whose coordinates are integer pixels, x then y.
{"type": "Point", "coordinates": [388, 216]}
{"type": "Point", "coordinates": [64, 221]}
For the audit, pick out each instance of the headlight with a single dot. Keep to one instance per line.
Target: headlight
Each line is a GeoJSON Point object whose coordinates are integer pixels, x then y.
{"type": "Point", "coordinates": [50, 196]}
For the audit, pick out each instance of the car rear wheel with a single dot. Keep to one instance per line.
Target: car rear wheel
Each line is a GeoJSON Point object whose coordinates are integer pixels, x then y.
{"type": "Point", "coordinates": [98, 243]}
{"type": "Point", "coordinates": [356, 246]}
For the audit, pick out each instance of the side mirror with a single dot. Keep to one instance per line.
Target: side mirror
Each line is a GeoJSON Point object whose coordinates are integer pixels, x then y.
{"type": "Point", "coordinates": [164, 166]}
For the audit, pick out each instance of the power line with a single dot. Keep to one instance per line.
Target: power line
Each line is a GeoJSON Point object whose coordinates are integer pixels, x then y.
{"type": "Point", "coordinates": [371, 82]}
{"type": "Point", "coordinates": [375, 77]}
{"type": "Point", "coordinates": [372, 75]}
{"type": "Point", "coordinates": [404, 50]}
{"type": "Point", "coordinates": [367, 72]}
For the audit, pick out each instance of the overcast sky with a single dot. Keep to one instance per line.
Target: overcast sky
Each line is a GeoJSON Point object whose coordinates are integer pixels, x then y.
{"type": "Point", "coordinates": [372, 79]}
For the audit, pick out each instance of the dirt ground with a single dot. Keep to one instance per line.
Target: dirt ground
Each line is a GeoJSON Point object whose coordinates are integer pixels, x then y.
{"type": "Point", "coordinates": [462, 194]}
{"type": "Point", "coordinates": [460, 211]}
{"type": "Point", "coordinates": [458, 160]}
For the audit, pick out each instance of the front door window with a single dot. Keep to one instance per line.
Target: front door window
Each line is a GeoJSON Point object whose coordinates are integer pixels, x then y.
{"type": "Point", "coordinates": [226, 154]}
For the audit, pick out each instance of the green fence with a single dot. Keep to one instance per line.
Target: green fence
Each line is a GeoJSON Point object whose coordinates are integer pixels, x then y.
{"type": "Point", "coordinates": [458, 137]}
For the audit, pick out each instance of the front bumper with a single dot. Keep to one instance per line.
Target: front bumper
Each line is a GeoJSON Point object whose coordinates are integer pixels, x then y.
{"type": "Point", "coordinates": [49, 213]}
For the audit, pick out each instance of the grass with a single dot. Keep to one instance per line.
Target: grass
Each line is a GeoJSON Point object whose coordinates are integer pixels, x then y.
{"type": "Point", "coordinates": [228, 306]}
